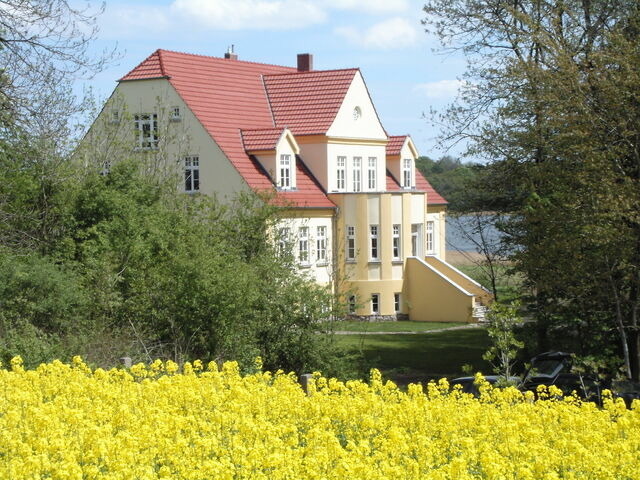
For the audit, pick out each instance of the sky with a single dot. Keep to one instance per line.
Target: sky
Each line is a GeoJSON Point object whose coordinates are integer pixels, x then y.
{"type": "Point", "coordinates": [384, 38]}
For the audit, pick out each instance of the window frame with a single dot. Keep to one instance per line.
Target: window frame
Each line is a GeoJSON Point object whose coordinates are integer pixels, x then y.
{"type": "Point", "coordinates": [397, 302]}
{"type": "Point", "coordinates": [407, 173]}
{"type": "Point", "coordinates": [416, 240]}
{"type": "Point", "coordinates": [304, 255]}
{"type": "Point", "coordinates": [191, 173]}
{"type": "Point", "coordinates": [285, 181]}
{"type": "Point", "coordinates": [350, 249]}
{"type": "Point", "coordinates": [284, 234]}
{"type": "Point", "coordinates": [396, 242]}
{"type": "Point", "coordinates": [144, 141]}
{"type": "Point", "coordinates": [375, 304]}
{"type": "Point", "coordinates": [374, 244]}
{"type": "Point", "coordinates": [372, 165]}
{"type": "Point", "coordinates": [352, 304]}
{"type": "Point", "coordinates": [341, 173]}
{"type": "Point", "coordinates": [321, 245]}
{"type": "Point", "coordinates": [429, 237]}
{"type": "Point", "coordinates": [356, 177]}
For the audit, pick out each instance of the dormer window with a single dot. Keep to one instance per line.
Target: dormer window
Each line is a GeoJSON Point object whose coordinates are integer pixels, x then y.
{"type": "Point", "coordinates": [284, 179]}
{"type": "Point", "coordinates": [407, 173]}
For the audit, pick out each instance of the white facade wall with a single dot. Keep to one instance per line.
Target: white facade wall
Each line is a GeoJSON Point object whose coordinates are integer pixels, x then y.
{"type": "Point", "coordinates": [315, 269]}
{"type": "Point", "coordinates": [314, 156]}
{"type": "Point", "coordinates": [348, 124]}
{"type": "Point", "coordinates": [364, 151]}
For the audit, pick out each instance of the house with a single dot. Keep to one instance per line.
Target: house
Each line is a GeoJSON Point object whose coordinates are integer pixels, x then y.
{"type": "Point", "coordinates": [362, 217]}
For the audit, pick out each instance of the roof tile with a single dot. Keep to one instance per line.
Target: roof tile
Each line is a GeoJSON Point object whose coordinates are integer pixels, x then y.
{"type": "Point", "coordinates": [395, 144]}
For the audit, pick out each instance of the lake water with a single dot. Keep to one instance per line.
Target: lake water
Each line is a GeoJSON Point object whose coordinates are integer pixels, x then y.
{"type": "Point", "coordinates": [456, 237]}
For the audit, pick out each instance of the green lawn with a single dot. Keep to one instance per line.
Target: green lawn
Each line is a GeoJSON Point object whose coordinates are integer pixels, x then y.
{"type": "Point", "coordinates": [509, 285]}
{"type": "Point", "coordinates": [413, 358]}
{"type": "Point", "coordinates": [403, 326]}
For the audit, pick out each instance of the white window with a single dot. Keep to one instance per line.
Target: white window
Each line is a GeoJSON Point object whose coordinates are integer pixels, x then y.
{"type": "Point", "coordinates": [375, 303]}
{"type": "Point", "coordinates": [373, 241]}
{"type": "Point", "coordinates": [351, 243]}
{"type": "Point", "coordinates": [397, 252]}
{"type": "Point", "coordinates": [429, 238]}
{"type": "Point", "coordinates": [321, 244]}
{"type": "Point", "coordinates": [303, 245]}
{"type": "Point", "coordinates": [356, 174]}
{"type": "Point", "coordinates": [106, 168]}
{"type": "Point", "coordinates": [115, 117]}
{"type": "Point", "coordinates": [284, 181]}
{"type": "Point", "coordinates": [407, 173]}
{"type": "Point", "coordinates": [352, 304]}
{"type": "Point", "coordinates": [191, 174]}
{"type": "Point", "coordinates": [416, 239]}
{"type": "Point", "coordinates": [175, 114]}
{"type": "Point", "coordinates": [396, 302]}
{"type": "Point", "coordinates": [371, 172]}
{"type": "Point", "coordinates": [146, 130]}
{"type": "Point", "coordinates": [283, 240]}
{"type": "Point", "coordinates": [341, 173]}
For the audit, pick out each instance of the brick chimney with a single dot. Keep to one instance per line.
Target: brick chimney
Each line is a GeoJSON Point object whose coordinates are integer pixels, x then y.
{"type": "Point", "coordinates": [305, 62]}
{"type": "Point", "coordinates": [230, 55]}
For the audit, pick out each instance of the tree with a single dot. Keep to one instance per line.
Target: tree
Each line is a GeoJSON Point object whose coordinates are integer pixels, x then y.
{"type": "Point", "coordinates": [552, 101]}
{"type": "Point", "coordinates": [44, 47]}
{"type": "Point", "coordinates": [189, 277]}
{"type": "Point", "coordinates": [502, 320]}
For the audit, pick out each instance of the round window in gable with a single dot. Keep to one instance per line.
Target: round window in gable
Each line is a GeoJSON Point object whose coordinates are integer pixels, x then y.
{"type": "Point", "coordinates": [357, 113]}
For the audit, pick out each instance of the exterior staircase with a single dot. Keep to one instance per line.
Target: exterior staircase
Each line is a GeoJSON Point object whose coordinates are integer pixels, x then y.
{"type": "Point", "coordinates": [438, 292]}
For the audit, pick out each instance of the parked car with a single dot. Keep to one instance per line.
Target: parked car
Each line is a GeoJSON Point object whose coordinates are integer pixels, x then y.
{"type": "Point", "coordinates": [554, 368]}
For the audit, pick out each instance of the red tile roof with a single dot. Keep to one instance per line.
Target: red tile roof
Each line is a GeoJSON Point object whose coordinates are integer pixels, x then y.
{"type": "Point", "coordinates": [307, 102]}
{"type": "Point", "coordinates": [433, 197]}
{"type": "Point", "coordinates": [245, 106]}
{"type": "Point", "coordinates": [265, 139]}
{"type": "Point", "coordinates": [151, 67]}
{"type": "Point", "coordinates": [392, 184]}
{"type": "Point", "coordinates": [422, 185]}
{"type": "Point", "coordinates": [395, 144]}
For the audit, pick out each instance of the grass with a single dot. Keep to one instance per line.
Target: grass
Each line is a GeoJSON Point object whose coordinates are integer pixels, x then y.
{"type": "Point", "coordinates": [401, 326]}
{"type": "Point", "coordinates": [508, 284]}
{"type": "Point", "coordinates": [413, 358]}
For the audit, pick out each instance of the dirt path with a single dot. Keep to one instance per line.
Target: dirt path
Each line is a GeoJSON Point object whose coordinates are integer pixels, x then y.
{"type": "Point", "coordinates": [426, 332]}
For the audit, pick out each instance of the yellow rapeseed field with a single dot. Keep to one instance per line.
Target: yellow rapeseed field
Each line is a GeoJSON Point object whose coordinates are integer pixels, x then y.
{"type": "Point", "coordinates": [66, 421]}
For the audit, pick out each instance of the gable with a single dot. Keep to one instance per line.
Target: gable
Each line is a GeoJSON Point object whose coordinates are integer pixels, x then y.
{"type": "Point", "coordinates": [363, 124]}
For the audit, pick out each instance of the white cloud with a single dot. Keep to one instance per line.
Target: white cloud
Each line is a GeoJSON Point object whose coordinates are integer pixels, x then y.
{"type": "Point", "coordinates": [440, 89]}
{"type": "Point", "coordinates": [250, 14]}
{"type": "Point", "coordinates": [123, 21]}
{"type": "Point", "coordinates": [368, 6]}
{"type": "Point", "coordinates": [386, 35]}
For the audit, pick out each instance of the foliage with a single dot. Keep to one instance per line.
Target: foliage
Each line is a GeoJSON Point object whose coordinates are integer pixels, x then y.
{"type": "Point", "coordinates": [448, 176]}
{"type": "Point", "coordinates": [167, 275]}
{"type": "Point", "coordinates": [551, 100]}
{"type": "Point", "coordinates": [157, 421]}
{"type": "Point", "coordinates": [502, 320]}
{"type": "Point", "coordinates": [44, 46]}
